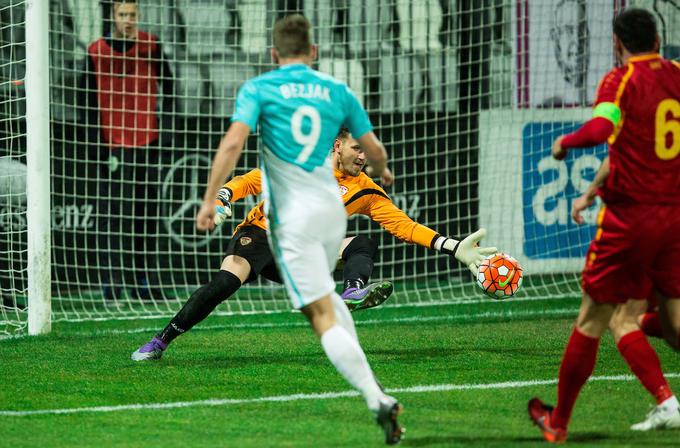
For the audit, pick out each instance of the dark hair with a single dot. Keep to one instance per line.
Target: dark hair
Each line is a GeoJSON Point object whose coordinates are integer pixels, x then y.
{"type": "Point", "coordinates": [636, 29]}
{"type": "Point", "coordinates": [291, 36]}
{"type": "Point", "coordinates": [343, 134]}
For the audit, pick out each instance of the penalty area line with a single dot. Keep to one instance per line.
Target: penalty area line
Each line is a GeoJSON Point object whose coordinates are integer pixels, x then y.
{"type": "Point", "coordinates": [300, 397]}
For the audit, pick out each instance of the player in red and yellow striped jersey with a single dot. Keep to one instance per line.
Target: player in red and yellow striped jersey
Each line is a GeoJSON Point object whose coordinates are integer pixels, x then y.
{"type": "Point", "coordinates": [634, 252]}
{"type": "Point", "coordinates": [248, 254]}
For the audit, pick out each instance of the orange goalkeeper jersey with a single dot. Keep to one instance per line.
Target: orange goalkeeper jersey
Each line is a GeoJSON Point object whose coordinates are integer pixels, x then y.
{"type": "Point", "coordinates": [360, 195]}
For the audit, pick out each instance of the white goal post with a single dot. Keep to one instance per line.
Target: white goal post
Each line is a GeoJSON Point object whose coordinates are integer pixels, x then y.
{"type": "Point", "coordinates": [38, 214]}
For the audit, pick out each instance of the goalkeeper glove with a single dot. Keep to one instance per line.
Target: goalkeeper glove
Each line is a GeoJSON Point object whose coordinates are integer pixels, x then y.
{"type": "Point", "coordinates": [466, 251]}
{"type": "Point", "coordinates": [222, 206]}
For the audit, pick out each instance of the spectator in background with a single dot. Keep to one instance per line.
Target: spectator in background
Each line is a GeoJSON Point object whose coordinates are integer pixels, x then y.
{"type": "Point", "coordinates": [125, 69]}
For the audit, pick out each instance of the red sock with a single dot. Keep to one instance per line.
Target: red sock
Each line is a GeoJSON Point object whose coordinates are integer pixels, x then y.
{"type": "Point", "coordinates": [578, 363]}
{"type": "Point", "coordinates": [651, 325]}
{"type": "Point", "coordinates": [645, 364]}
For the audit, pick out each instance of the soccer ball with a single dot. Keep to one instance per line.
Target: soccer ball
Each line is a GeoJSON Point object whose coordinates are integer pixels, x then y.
{"type": "Point", "coordinates": [500, 276]}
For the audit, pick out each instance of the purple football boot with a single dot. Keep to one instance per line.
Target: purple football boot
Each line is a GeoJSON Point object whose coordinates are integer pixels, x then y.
{"type": "Point", "coordinates": [369, 296]}
{"type": "Point", "coordinates": [150, 351]}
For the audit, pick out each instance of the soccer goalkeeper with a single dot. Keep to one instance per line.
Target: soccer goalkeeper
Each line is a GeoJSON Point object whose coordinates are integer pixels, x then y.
{"type": "Point", "coordinates": [248, 254]}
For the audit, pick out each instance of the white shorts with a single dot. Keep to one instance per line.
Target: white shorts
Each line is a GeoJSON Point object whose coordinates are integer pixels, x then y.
{"type": "Point", "coordinates": [307, 224]}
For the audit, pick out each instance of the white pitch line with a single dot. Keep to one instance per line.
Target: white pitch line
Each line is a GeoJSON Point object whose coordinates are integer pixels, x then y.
{"type": "Point", "coordinates": [361, 322]}
{"type": "Point", "coordinates": [296, 324]}
{"type": "Point", "coordinates": [299, 397]}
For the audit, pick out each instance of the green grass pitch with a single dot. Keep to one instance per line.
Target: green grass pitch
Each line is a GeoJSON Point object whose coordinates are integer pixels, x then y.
{"type": "Point", "coordinates": [459, 352]}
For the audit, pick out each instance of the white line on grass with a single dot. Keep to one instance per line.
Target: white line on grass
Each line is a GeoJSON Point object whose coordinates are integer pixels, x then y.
{"type": "Point", "coordinates": [299, 397]}
{"type": "Point", "coordinates": [392, 320]}
{"type": "Point", "coordinates": [563, 311]}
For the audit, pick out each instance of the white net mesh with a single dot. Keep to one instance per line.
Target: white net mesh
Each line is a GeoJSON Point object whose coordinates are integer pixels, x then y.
{"type": "Point", "coordinates": [466, 95]}
{"type": "Point", "coordinates": [13, 243]}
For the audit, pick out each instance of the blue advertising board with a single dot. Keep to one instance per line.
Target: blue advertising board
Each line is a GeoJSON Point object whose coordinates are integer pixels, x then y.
{"type": "Point", "coordinates": [549, 188]}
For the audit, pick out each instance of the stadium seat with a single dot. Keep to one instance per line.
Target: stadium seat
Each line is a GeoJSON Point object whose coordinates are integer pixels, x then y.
{"type": "Point", "coordinates": [191, 87]}
{"type": "Point", "coordinates": [87, 19]}
{"type": "Point", "coordinates": [67, 60]}
{"type": "Point", "coordinates": [365, 26]}
{"type": "Point", "coordinates": [253, 30]}
{"type": "Point", "coordinates": [401, 83]}
{"type": "Point", "coordinates": [442, 74]}
{"type": "Point", "coordinates": [320, 13]}
{"type": "Point", "coordinates": [161, 19]}
{"type": "Point", "coordinates": [226, 76]}
{"type": "Point", "coordinates": [419, 81]}
{"type": "Point", "coordinates": [419, 25]}
{"type": "Point", "coordinates": [208, 26]}
{"type": "Point", "coordinates": [349, 70]}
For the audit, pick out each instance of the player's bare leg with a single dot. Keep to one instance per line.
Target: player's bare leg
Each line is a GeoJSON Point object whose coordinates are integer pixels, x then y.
{"type": "Point", "coordinates": [669, 315]}
{"type": "Point", "coordinates": [577, 365]}
{"type": "Point", "coordinates": [233, 272]}
{"type": "Point", "coordinates": [593, 317]}
{"type": "Point", "coordinates": [644, 363]}
{"type": "Point", "coordinates": [356, 258]}
{"type": "Point", "coordinates": [625, 319]}
{"type": "Point", "coordinates": [344, 351]}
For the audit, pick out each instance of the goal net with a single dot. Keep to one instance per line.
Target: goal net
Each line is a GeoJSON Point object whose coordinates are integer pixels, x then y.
{"type": "Point", "coordinates": [13, 242]}
{"type": "Point", "coordinates": [467, 97]}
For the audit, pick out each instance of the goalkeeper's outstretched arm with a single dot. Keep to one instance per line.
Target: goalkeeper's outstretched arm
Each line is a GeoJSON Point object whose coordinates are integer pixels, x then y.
{"type": "Point", "coordinates": [383, 211]}
{"type": "Point", "coordinates": [223, 164]}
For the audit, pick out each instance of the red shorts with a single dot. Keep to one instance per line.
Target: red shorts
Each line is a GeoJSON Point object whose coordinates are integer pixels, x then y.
{"type": "Point", "coordinates": [636, 251]}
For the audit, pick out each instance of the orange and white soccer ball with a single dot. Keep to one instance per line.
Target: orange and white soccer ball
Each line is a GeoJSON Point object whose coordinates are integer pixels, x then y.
{"type": "Point", "coordinates": [500, 276]}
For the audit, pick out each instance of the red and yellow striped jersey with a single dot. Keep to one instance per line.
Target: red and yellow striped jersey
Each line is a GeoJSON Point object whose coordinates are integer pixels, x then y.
{"type": "Point", "coordinates": [644, 148]}
{"type": "Point", "coordinates": [360, 195]}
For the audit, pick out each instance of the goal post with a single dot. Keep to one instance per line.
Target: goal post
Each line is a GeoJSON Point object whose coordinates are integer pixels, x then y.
{"type": "Point", "coordinates": [38, 209]}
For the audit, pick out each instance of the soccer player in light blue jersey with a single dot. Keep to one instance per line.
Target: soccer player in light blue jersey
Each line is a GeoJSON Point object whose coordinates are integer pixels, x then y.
{"type": "Point", "coordinates": [299, 112]}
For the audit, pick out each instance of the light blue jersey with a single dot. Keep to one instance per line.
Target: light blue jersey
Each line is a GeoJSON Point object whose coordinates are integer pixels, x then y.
{"type": "Point", "coordinates": [299, 112]}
